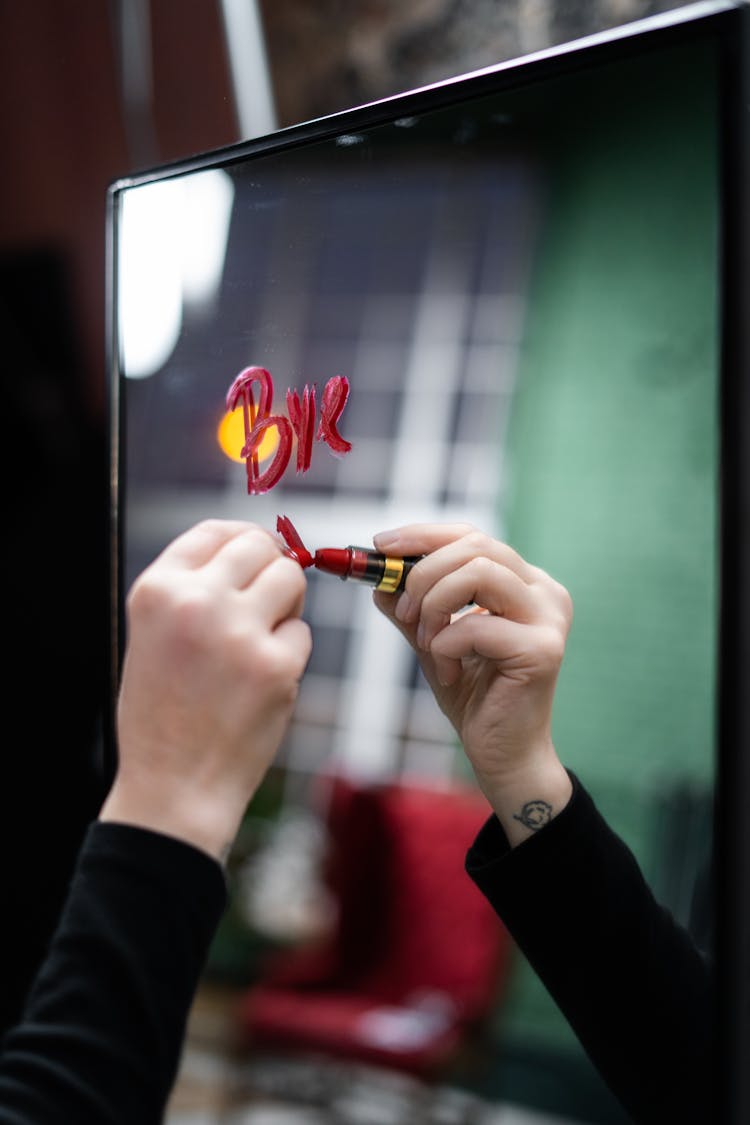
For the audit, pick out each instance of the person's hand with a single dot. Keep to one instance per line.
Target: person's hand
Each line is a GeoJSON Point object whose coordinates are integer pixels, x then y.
{"type": "Point", "coordinates": [214, 655]}
{"type": "Point", "coordinates": [493, 664]}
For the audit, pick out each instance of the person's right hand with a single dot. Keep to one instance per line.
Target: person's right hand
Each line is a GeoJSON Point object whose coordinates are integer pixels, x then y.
{"type": "Point", "coordinates": [492, 667]}
{"type": "Point", "coordinates": [215, 651]}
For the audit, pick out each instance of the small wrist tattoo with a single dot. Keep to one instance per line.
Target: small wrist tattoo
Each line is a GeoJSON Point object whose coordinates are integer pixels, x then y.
{"type": "Point", "coordinates": [534, 815]}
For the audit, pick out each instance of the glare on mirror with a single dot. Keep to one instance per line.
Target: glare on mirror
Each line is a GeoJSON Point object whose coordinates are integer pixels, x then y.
{"type": "Point", "coordinates": [161, 269]}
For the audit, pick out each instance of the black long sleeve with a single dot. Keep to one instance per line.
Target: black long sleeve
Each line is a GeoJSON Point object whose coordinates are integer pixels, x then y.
{"type": "Point", "coordinates": [103, 1029]}
{"type": "Point", "coordinates": [629, 980]}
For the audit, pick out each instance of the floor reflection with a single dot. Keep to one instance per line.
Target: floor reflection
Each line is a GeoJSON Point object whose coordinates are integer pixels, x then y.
{"type": "Point", "coordinates": [216, 1086]}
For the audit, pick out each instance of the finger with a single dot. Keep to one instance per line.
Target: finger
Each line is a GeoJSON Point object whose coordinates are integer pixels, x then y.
{"type": "Point", "coordinates": [482, 581]}
{"type": "Point", "coordinates": [517, 647]}
{"type": "Point", "coordinates": [296, 637]}
{"type": "Point", "coordinates": [198, 545]}
{"type": "Point", "coordinates": [419, 538]}
{"type": "Point", "coordinates": [278, 592]}
{"type": "Point", "coordinates": [240, 559]}
{"type": "Point", "coordinates": [448, 668]}
{"type": "Point", "coordinates": [454, 554]}
{"type": "Point", "coordinates": [478, 634]}
{"type": "Point", "coordinates": [425, 539]}
{"type": "Point", "coordinates": [447, 547]}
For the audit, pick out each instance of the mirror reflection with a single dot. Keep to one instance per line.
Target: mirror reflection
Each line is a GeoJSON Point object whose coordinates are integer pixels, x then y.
{"type": "Point", "coordinates": [521, 289]}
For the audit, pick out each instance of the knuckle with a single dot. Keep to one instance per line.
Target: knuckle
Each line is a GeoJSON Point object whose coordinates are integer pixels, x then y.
{"type": "Point", "coordinates": [254, 541]}
{"type": "Point", "coordinates": [476, 540]}
{"type": "Point", "coordinates": [560, 596]}
{"type": "Point", "coordinates": [566, 602]}
{"type": "Point", "coordinates": [294, 575]}
{"type": "Point", "coordinates": [209, 526]}
{"type": "Point", "coordinates": [146, 595]}
{"type": "Point", "coordinates": [464, 529]}
{"type": "Point", "coordinates": [211, 529]}
{"type": "Point", "coordinates": [551, 646]}
{"type": "Point", "coordinates": [483, 568]}
{"type": "Point", "coordinates": [255, 531]}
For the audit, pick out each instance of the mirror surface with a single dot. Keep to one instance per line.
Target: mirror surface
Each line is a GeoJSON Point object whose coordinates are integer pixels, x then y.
{"type": "Point", "coordinates": [522, 289]}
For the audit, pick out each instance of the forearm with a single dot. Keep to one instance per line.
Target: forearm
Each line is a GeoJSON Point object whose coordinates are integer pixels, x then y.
{"type": "Point", "coordinates": [104, 1025]}
{"type": "Point", "coordinates": [629, 980]}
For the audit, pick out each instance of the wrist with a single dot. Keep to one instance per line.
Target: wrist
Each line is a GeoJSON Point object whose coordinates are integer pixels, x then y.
{"type": "Point", "coordinates": [209, 826]}
{"type": "Point", "coordinates": [528, 795]}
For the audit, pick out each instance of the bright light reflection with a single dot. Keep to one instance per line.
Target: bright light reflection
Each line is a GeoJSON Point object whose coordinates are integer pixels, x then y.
{"type": "Point", "coordinates": [173, 240]}
{"type": "Point", "coordinates": [230, 435]}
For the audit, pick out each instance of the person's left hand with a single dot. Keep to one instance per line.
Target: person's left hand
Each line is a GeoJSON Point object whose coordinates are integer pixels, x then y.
{"type": "Point", "coordinates": [215, 652]}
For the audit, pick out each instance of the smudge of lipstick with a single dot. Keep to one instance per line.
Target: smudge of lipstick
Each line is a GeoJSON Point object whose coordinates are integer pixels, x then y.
{"type": "Point", "coordinates": [294, 547]}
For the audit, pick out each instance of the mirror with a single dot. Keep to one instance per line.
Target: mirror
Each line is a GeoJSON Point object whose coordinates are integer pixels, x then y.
{"type": "Point", "coordinates": [519, 276]}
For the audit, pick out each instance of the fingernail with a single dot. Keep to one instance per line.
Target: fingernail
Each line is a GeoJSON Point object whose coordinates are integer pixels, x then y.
{"type": "Point", "coordinates": [420, 634]}
{"type": "Point", "coordinates": [386, 540]}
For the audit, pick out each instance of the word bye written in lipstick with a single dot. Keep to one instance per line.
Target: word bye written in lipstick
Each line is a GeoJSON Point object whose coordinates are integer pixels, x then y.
{"type": "Point", "coordinates": [302, 413]}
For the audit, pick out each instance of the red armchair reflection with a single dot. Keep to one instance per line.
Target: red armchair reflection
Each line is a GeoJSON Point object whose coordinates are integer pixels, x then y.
{"type": "Point", "coordinates": [417, 960]}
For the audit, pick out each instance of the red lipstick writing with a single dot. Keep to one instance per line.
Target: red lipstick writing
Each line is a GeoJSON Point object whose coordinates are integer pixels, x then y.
{"type": "Point", "coordinates": [257, 419]}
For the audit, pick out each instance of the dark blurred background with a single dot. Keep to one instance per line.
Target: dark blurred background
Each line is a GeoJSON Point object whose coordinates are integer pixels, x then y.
{"type": "Point", "coordinates": [90, 92]}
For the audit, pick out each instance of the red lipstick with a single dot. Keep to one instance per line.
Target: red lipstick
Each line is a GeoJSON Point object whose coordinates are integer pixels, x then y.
{"type": "Point", "coordinates": [362, 564]}
{"type": "Point", "coordinates": [384, 572]}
